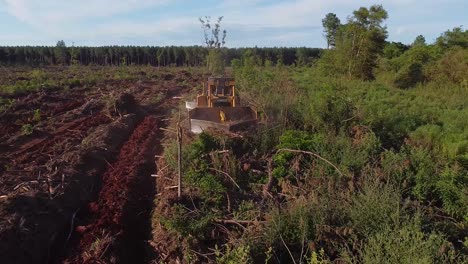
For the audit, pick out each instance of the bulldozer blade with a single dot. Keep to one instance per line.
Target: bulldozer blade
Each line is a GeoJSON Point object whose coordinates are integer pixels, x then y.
{"type": "Point", "coordinates": [235, 118]}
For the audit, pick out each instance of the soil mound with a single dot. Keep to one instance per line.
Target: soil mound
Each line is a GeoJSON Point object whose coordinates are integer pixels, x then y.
{"type": "Point", "coordinates": [126, 104]}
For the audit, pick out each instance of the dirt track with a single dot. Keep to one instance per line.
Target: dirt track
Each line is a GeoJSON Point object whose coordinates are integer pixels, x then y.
{"type": "Point", "coordinates": [123, 208]}
{"type": "Point", "coordinates": [81, 177]}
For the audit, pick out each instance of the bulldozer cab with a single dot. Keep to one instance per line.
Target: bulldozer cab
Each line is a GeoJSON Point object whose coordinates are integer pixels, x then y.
{"type": "Point", "coordinates": [218, 92]}
{"type": "Point", "coordinates": [221, 86]}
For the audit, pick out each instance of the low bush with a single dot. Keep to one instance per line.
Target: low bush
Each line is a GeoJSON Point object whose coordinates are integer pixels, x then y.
{"type": "Point", "coordinates": [405, 244]}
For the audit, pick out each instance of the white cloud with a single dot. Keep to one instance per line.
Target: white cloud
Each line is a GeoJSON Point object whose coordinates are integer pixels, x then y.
{"type": "Point", "coordinates": [248, 22]}
{"type": "Point", "coordinates": [128, 28]}
{"type": "Point", "coordinates": [401, 30]}
{"type": "Point", "coordinates": [240, 3]}
{"type": "Point", "coordinates": [43, 12]}
{"type": "Point", "coordinates": [295, 13]}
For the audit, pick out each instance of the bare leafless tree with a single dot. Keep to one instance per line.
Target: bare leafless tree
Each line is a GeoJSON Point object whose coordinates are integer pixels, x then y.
{"type": "Point", "coordinates": [212, 32]}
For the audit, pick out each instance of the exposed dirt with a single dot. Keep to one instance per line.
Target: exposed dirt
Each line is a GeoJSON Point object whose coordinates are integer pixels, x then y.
{"type": "Point", "coordinates": [35, 107]}
{"type": "Point", "coordinates": [124, 203]}
{"type": "Point", "coordinates": [77, 160]}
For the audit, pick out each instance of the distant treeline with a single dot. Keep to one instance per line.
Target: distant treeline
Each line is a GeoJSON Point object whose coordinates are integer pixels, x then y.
{"type": "Point", "coordinates": [136, 55]}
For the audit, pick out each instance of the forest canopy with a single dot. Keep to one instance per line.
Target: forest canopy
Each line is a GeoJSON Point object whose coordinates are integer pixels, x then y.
{"type": "Point", "coordinates": [148, 55]}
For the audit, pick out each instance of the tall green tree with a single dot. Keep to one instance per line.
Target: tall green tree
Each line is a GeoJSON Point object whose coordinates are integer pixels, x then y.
{"type": "Point", "coordinates": [394, 49]}
{"type": "Point", "coordinates": [162, 56]}
{"type": "Point", "coordinates": [454, 37]}
{"type": "Point", "coordinates": [419, 41]}
{"type": "Point", "coordinates": [331, 23]}
{"type": "Point", "coordinates": [61, 53]}
{"type": "Point", "coordinates": [358, 44]}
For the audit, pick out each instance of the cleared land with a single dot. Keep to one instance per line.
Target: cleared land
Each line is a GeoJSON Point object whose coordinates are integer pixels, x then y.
{"type": "Point", "coordinates": [76, 159]}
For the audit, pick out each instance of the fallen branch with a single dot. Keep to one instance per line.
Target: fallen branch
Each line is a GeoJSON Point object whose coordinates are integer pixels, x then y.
{"type": "Point", "coordinates": [289, 251]}
{"type": "Point", "coordinates": [108, 163]}
{"type": "Point", "coordinates": [49, 187]}
{"type": "Point", "coordinates": [206, 255]}
{"type": "Point", "coordinates": [25, 183]}
{"type": "Point", "coordinates": [168, 129]}
{"type": "Point", "coordinates": [161, 177]}
{"type": "Point", "coordinates": [20, 170]}
{"type": "Point", "coordinates": [224, 222]}
{"type": "Point", "coordinates": [313, 154]}
{"type": "Point", "coordinates": [269, 185]}
{"type": "Point", "coordinates": [165, 167]}
{"type": "Point", "coordinates": [62, 185]}
{"type": "Point", "coordinates": [229, 176]}
{"type": "Point", "coordinates": [107, 246]}
{"type": "Point", "coordinates": [224, 229]}
{"type": "Point", "coordinates": [221, 151]}
{"type": "Point", "coordinates": [349, 119]}
{"type": "Point", "coordinates": [72, 223]}
{"type": "Point", "coordinates": [239, 222]}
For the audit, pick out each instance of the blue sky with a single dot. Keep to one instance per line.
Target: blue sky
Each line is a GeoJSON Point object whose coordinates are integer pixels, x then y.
{"type": "Point", "coordinates": [175, 22]}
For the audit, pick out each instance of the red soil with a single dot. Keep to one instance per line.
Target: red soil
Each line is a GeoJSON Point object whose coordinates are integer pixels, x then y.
{"type": "Point", "coordinates": [120, 183]}
{"type": "Point", "coordinates": [33, 156]}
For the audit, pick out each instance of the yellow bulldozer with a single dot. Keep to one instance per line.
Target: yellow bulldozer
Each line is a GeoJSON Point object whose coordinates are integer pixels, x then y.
{"type": "Point", "coordinates": [218, 106]}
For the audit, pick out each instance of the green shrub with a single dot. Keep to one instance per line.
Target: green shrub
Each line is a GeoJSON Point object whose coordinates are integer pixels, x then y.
{"type": "Point", "coordinates": [233, 254]}
{"type": "Point", "coordinates": [452, 67]}
{"type": "Point", "coordinates": [192, 154]}
{"type": "Point", "coordinates": [294, 225]}
{"type": "Point", "coordinates": [72, 83]}
{"type": "Point", "coordinates": [319, 258]}
{"type": "Point", "coordinates": [403, 245]}
{"type": "Point", "coordinates": [452, 188]}
{"type": "Point", "coordinates": [27, 129]}
{"type": "Point", "coordinates": [425, 174]}
{"type": "Point", "coordinates": [186, 222]}
{"type": "Point", "coordinates": [211, 187]}
{"type": "Point", "coordinates": [332, 109]}
{"type": "Point", "coordinates": [375, 208]}
{"type": "Point", "coordinates": [215, 62]}
{"type": "Point", "coordinates": [265, 89]}
{"type": "Point", "coordinates": [347, 154]}
{"type": "Point", "coordinates": [397, 170]}
{"type": "Point", "coordinates": [247, 210]}
{"type": "Point", "coordinates": [37, 74]}
{"type": "Point", "coordinates": [37, 115]}
{"type": "Point", "coordinates": [6, 104]}
{"type": "Point", "coordinates": [297, 140]}
{"type": "Point", "coordinates": [409, 75]}
{"type": "Point", "coordinates": [202, 145]}
{"type": "Point", "coordinates": [447, 186]}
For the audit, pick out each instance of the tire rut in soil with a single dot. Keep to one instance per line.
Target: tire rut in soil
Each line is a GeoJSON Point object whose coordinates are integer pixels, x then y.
{"type": "Point", "coordinates": [123, 208]}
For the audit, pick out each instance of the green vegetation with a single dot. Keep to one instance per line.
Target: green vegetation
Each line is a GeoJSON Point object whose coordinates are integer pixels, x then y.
{"type": "Point", "coordinates": [5, 104]}
{"type": "Point", "coordinates": [362, 157]}
{"type": "Point", "coordinates": [27, 129]}
{"type": "Point", "coordinates": [143, 56]}
{"type": "Point", "coordinates": [26, 80]}
{"type": "Point", "coordinates": [357, 44]}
